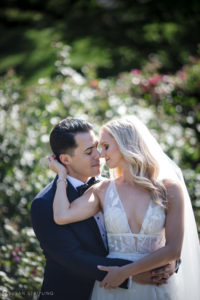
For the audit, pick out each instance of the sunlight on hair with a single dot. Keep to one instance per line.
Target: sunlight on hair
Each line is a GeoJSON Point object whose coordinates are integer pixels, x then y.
{"type": "Point", "coordinates": [135, 141]}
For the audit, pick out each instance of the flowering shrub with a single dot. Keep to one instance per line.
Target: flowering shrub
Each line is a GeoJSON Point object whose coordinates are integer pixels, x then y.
{"type": "Point", "coordinates": [169, 104]}
{"type": "Point", "coordinates": [21, 265]}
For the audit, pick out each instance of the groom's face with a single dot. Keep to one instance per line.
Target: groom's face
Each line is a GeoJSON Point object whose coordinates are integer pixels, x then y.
{"type": "Point", "coordinates": [84, 162]}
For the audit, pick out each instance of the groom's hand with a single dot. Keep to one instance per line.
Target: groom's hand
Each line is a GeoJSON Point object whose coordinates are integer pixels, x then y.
{"type": "Point", "coordinates": [157, 276]}
{"type": "Point", "coordinates": [146, 278]}
{"type": "Point", "coordinates": [160, 275]}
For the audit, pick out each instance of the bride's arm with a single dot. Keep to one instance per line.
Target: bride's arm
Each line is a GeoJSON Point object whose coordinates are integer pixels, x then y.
{"type": "Point", "coordinates": [174, 231]}
{"type": "Point", "coordinates": [80, 209]}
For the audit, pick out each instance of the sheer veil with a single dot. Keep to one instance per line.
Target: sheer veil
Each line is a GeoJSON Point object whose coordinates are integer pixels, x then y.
{"type": "Point", "coordinates": [188, 275]}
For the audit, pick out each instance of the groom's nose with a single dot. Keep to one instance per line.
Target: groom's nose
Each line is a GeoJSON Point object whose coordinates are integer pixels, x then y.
{"type": "Point", "coordinates": [96, 154]}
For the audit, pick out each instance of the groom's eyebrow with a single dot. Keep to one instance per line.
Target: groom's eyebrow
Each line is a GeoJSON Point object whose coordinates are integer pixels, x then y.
{"type": "Point", "coordinates": [91, 147]}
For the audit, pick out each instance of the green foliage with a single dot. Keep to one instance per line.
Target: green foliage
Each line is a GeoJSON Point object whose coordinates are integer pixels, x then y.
{"type": "Point", "coordinates": [167, 103]}
{"type": "Point", "coordinates": [113, 35]}
{"type": "Point", "coordinates": [22, 265]}
{"type": "Point", "coordinates": [29, 51]}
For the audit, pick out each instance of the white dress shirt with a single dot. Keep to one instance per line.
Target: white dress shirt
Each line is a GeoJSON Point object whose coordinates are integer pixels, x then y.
{"type": "Point", "coordinates": [98, 217]}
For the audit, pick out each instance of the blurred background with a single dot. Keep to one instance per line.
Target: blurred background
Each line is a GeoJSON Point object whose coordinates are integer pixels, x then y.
{"type": "Point", "coordinates": [93, 59]}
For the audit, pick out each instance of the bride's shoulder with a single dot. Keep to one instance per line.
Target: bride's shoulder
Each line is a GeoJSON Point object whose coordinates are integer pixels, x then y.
{"type": "Point", "coordinates": [102, 186]}
{"type": "Point", "coordinates": [173, 189]}
{"type": "Point", "coordinates": [171, 183]}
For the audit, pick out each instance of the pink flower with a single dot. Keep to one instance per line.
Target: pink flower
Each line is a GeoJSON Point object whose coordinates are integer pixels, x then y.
{"type": "Point", "coordinates": [154, 80]}
{"type": "Point", "coordinates": [94, 83]}
{"type": "Point", "coordinates": [145, 85]}
{"type": "Point", "coordinates": [136, 72]}
{"type": "Point", "coordinates": [182, 75]}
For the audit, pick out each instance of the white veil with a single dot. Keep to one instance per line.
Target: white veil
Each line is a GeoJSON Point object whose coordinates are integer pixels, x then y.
{"type": "Point", "coordinates": [188, 275]}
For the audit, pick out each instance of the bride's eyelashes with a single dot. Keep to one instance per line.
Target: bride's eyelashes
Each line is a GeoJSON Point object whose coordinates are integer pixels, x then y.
{"type": "Point", "coordinates": [106, 147]}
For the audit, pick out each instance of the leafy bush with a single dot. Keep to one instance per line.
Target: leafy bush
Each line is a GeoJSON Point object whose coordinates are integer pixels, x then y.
{"type": "Point", "coordinates": [167, 103]}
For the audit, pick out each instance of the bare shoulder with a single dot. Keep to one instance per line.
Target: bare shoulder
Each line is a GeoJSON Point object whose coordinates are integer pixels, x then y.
{"type": "Point", "coordinates": [102, 186]}
{"type": "Point", "coordinates": [174, 190]}
{"type": "Point", "coordinates": [171, 184]}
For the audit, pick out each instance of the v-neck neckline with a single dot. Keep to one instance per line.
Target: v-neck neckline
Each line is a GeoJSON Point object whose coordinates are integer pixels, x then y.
{"type": "Point", "coordinates": [123, 208]}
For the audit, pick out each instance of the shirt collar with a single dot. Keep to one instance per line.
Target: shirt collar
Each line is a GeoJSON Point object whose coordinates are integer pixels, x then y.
{"type": "Point", "coordinates": [75, 182]}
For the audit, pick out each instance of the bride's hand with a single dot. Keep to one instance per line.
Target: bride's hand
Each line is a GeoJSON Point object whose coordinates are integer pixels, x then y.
{"type": "Point", "coordinates": [57, 167]}
{"type": "Point", "coordinates": [114, 277]}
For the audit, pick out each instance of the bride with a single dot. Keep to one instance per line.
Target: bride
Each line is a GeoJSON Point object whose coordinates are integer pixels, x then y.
{"type": "Point", "coordinates": [147, 212]}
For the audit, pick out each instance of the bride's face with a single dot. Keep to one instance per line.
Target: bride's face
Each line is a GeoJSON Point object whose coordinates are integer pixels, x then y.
{"type": "Point", "coordinates": [110, 150]}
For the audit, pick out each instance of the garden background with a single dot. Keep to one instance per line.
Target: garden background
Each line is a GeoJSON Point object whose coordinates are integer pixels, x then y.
{"type": "Point", "coordinates": [94, 59]}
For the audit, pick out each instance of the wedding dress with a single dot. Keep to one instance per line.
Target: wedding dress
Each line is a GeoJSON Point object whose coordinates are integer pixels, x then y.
{"type": "Point", "coordinates": [123, 243]}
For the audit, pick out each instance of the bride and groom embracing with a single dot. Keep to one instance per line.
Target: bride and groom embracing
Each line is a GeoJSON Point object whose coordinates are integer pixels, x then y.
{"type": "Point", "coordinates": [129, 251]}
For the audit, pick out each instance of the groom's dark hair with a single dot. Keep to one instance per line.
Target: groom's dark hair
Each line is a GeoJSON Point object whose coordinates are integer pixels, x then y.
{"type": "Point", "coordinates": [62, 137]}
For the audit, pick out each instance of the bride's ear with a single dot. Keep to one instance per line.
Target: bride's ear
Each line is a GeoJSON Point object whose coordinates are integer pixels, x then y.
{"type": "Point", "coordinates": [65, 159]}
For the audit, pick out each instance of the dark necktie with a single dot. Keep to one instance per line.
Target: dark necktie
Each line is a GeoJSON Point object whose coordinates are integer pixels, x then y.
{"type": "Point", "coordinates": [82, 188]}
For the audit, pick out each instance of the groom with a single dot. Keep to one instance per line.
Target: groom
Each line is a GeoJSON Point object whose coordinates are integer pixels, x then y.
{"type": "Point", "coordinates": [73, 251]}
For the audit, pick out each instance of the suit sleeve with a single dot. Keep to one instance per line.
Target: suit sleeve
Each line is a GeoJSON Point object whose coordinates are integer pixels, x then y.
{"type": "Point", "coordinates": [60, 244]}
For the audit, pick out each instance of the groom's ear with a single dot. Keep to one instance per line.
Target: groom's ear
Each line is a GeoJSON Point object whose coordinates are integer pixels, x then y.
{"type": "Point", "coordinates": [65, 159]}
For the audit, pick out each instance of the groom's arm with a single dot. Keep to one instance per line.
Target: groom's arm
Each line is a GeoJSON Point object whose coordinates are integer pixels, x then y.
{"type": "Point", "coordinates": [61, 244]}
{"type": "Point", "coordinates": [157, 276]}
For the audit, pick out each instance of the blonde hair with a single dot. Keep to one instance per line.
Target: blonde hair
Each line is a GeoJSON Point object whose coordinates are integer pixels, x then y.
{"type": "Point", "coordinates": [142, 165]}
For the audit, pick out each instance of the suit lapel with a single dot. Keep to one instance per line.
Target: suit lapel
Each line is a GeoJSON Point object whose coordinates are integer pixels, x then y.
{"type": "Point", "coordinates": [72, 195]}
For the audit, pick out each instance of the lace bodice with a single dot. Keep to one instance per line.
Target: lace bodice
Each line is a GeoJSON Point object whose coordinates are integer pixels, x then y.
{"type": "Point", "coordinates": [120, 238]}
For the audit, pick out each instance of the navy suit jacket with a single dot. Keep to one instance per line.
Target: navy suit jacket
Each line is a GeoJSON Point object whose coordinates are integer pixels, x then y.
{"type": "Point", "coordinates": [72, 251]}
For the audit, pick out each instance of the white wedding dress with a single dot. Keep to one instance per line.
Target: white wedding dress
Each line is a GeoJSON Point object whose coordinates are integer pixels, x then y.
{"type": "Point", "coordinates": [125, 244]}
